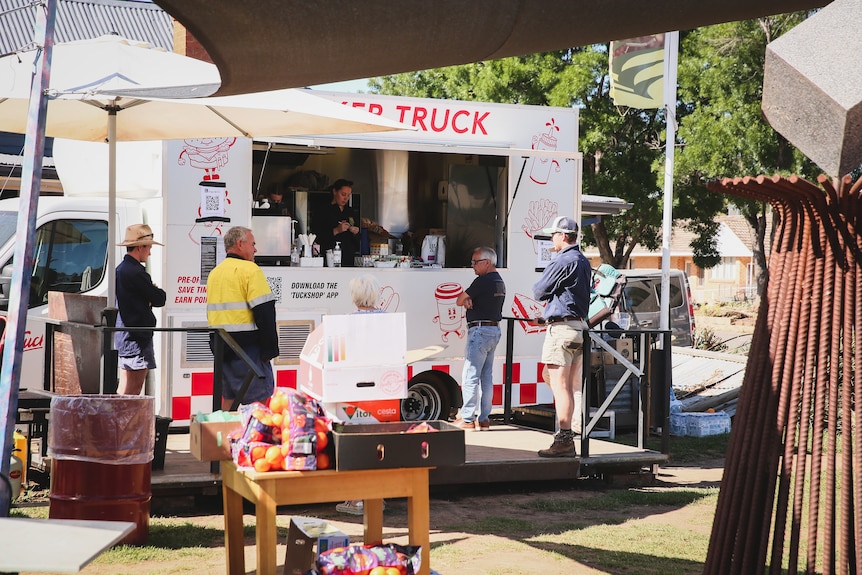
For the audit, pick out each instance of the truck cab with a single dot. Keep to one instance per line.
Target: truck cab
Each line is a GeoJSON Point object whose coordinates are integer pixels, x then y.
{"type": "Point", "coordinates": [69, 255]}
{"type": "Point", "coordinates": [641, 300]}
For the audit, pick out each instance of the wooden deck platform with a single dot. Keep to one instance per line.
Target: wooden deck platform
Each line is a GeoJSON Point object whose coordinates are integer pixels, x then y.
{"type": "Point", "coordinates": [506, 453]}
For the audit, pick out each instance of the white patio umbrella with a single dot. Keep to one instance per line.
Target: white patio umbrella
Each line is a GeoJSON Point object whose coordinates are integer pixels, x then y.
{"type": "Point", "coordinates": [112, 89]}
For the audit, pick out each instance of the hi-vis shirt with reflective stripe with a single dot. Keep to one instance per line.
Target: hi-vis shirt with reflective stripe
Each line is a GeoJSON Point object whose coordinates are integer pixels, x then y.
{"type": "Point", "coordinates": [234, 288]}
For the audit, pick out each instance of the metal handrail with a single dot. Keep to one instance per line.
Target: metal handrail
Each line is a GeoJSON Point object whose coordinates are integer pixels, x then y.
{"type": "Point", "coordinates": [109, 362]}
{"type": "Point", "coordinates": [642, 371]}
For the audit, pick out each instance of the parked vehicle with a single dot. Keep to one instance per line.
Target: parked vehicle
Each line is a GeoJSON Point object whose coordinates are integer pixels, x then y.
{"type": "Point", "coordinates": [641, 300]}
{"type": "Point", "coordinates": [471, 174]}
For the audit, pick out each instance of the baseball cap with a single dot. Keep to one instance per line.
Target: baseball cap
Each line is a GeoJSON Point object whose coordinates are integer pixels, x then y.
{"type": "Point", "coordinates": [562, 224]}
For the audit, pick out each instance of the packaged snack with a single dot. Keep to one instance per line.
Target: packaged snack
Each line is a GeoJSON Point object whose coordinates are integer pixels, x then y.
{"type": "Point", "coordinates": [369, 560]}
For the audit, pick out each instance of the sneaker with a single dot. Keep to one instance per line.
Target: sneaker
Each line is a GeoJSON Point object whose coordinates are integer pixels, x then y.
{"type": "Point", "coordinates": [484, 425]}
{"type": "Point", "coordinates": [465, 425]}
{"type": "Point", "coordinates": [559, 449]}
{"type": "Point", "coordinates": [356, 507]}
{"type": "Point", "coordinates": [351, 507]}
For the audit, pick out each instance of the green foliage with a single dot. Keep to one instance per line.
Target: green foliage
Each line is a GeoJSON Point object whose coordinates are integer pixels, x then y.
{"type": "Point", "coordinates": [721, 131]}
{"type": "Point", "coordinates": [705, 338]}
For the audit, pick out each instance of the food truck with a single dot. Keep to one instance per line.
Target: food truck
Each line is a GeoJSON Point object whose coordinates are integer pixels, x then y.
{"type": "Point", "coordinates": [469, 174]}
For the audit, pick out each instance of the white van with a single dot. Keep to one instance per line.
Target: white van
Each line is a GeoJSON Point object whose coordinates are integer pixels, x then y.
{"type": "Point", "coordinates": [641, 300]}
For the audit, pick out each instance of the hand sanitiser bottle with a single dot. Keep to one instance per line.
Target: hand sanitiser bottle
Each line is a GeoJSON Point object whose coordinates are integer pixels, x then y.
{"type": "Point", "coordinates": [336, 255]}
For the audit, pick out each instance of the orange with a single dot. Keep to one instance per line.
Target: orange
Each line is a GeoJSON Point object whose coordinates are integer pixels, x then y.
{"type": "Point", "coordinates": [278, 402]}
{"type": "Point", "coordinates": [320, 424]}
{"type": "Point", "coordinates": [378, 571]}
{"type": "Point", "coordinates": [277, 419]}
{"type": "Point", "coordinates": [258, 452]}
{"type": "Point", "coordinates": [322, 440]}
{"type": "Point", "coordinates": [261, 465]}
{"type": "Point", "coordinates": [393, 571]}
{"type": "Point", "coordinates": [273, 456]}
{"type": "Point", "coordinates": [323, 461]}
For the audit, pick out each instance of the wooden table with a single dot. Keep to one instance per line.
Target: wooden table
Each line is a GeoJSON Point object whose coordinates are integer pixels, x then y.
{"type": "Point", "coordinates": [55, 545]}
{"type": "Point", "coordinates": [273, 488]}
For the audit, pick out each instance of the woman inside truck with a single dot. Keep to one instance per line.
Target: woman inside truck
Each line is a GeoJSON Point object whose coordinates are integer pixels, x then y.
{"type": "Point", "coordinates": [339, 223]}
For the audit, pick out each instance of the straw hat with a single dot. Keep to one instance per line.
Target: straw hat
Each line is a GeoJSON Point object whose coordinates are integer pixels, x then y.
{"type": "Point", "coordinates": [139, 235]}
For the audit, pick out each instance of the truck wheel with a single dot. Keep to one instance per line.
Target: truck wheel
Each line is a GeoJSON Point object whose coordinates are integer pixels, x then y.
{"type": "Point", "coordinates": [427, 399]}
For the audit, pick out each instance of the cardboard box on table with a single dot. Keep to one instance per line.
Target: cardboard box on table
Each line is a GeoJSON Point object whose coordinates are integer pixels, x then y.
{"type": "Point", "coordinates": [208, 440]}
{"type": "Point", "coordinates": [303, 535]}
{"type": "Point", "coordinates": [356, 358]}
{"type": "Point", "coordinates": [390, 445]}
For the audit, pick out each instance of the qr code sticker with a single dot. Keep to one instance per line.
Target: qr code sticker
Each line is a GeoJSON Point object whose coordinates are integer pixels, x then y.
{"type": "Point", "coordinates": [212, 203]}
{"type": "Point", "coordinates": [275, 287]}
{"type": "Point", "coordinates": [545, 254]}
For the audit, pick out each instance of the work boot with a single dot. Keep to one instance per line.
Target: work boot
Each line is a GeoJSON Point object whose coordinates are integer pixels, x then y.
{"type": "Point", "coordinates": [563, 446]}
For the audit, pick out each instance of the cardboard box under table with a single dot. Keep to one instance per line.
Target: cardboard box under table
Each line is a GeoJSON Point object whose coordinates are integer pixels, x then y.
{"type": "Point", "coordinates": [208, 440]}
{"type": "Point", "coordinates": [303, 535]}
{"type": "Point", "coordinates": [390, 446]}
{"type": "Point", "coordinates": [357, 357]}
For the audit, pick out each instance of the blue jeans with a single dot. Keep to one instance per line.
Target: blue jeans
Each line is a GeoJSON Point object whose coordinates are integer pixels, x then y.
{"type": "Point", "coordinates": [479, 370]}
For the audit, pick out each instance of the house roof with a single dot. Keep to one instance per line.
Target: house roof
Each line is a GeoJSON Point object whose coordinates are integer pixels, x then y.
{"type": "Point", "coordinates": [735, 239]}
{"type": "Point", "coordinates": [84, 19]}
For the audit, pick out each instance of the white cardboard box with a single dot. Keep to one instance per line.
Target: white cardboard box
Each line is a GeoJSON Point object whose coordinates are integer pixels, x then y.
{"type": "Point", "coordinates": [356, 357]}
{"type": "Point", "coordinates": [307, 538]}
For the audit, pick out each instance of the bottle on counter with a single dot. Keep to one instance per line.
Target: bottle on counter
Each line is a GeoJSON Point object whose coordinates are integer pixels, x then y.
{"type": "Point", "coordinates": [294, 256]}
{"type": "Point", "coordinates": [336, 255]}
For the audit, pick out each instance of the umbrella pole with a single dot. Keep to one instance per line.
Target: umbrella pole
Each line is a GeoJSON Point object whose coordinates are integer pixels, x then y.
{"type": "Point", "coordinates": [109, 363]}
{"type": "Point", "coordinates": [22, 269]}
{"type": "Point", "coordinates": [112, 205]}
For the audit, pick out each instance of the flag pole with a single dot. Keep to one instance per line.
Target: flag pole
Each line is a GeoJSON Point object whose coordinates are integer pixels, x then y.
{"type": "Point", "coordinates": [31, 178]}
{"type": "Point", "coordinates": [671, 48]}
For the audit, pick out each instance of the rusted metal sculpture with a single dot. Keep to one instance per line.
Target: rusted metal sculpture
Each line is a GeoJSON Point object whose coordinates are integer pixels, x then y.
{"type": "Point", "coordinates": [792, 487]}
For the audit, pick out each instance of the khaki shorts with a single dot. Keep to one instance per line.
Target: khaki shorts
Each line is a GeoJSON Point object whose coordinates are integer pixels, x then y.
{"type": "Point", "coordinates": [563, 343]}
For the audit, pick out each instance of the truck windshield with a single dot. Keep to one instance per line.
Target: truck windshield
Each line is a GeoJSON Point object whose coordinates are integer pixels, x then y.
{"type": "Point", "coordinates": [8, 223]}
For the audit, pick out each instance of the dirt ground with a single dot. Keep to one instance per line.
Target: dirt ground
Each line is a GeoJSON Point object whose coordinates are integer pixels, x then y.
{"type": "Point", "coordinates": [467, 551]}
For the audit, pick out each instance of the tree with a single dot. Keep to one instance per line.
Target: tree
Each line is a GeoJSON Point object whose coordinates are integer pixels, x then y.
{"type": "Point", "coordinates": [722, 131]}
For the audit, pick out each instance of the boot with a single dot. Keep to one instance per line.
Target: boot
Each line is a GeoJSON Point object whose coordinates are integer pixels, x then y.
{"type": "Point", "coordinates": [563, 446]}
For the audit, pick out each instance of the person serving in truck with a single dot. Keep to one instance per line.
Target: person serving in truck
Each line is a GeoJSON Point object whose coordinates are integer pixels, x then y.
{"type": "Point", "coordinates": [339, 223]}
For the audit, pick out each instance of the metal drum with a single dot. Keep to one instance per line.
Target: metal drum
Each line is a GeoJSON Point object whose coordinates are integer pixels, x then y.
{"type": "Point", "coordinates": [101, 448]}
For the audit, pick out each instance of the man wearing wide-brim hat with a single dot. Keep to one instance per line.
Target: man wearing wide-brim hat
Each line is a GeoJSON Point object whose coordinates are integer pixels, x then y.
{"type": "Point", "coordinates": [136, 296]}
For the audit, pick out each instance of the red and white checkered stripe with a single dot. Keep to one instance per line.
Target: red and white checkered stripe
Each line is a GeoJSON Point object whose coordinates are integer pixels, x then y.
{"type": "Point", "coordinates": [194, 394]}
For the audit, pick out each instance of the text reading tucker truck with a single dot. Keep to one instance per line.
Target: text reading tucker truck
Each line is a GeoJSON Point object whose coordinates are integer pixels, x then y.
{"type": "Point", "coordinates": [471, 174]}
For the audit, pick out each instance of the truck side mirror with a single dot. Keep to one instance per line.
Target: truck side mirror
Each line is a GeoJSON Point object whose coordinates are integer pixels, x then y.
{"type": "Point", "coordinates": [5, 285]}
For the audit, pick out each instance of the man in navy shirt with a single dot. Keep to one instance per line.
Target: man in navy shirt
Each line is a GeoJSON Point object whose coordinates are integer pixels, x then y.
{"type": "Point", "coordinates": [484, 302]}
{"type": "Point", "coordinates": [565, 286]}
{"type": "Point", "coordinates": [136, 297]}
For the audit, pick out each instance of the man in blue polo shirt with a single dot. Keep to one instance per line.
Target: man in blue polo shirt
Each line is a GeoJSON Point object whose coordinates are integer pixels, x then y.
{"type": "Point", "coordinates": [565, 286]}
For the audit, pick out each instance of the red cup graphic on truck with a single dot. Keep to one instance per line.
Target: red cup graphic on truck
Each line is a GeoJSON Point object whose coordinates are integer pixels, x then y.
{"type": "Point", "coordinates": [449, 314]}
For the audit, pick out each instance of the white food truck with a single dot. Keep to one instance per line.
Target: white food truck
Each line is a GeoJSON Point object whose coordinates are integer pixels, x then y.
{"type": "Point", "coordinates": [471, 174]}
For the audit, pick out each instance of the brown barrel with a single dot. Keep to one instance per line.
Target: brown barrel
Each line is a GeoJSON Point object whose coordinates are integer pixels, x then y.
{"type": "Point", "coordinates": [101, 448]}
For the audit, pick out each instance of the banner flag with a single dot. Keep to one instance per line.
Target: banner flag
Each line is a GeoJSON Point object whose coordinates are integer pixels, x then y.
{"type": "Point", "coordinates": [637, 71]}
